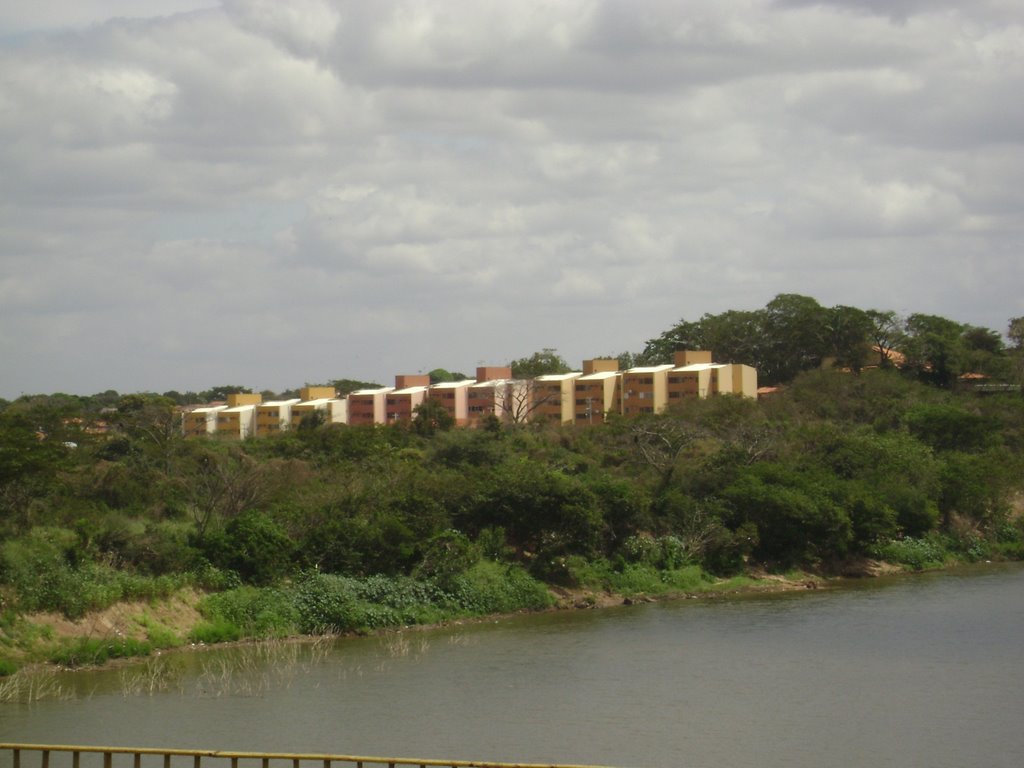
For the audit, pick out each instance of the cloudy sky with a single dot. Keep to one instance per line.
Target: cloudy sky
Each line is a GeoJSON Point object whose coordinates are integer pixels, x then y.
{"type": "Point", "coordinates": [196, 192]}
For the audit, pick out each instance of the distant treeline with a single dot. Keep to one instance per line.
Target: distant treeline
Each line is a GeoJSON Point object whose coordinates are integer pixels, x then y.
{"type": "Point", "coordinates": [795, 333]}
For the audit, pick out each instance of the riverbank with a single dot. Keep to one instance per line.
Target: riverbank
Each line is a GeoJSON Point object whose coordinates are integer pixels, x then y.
{"type": "Point", "coordinates": [135, 629]}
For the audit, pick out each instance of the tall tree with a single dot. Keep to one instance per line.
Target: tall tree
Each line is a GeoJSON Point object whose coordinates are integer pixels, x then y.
{"type": "Point", "coordinates": [886, 335]}
{"type": "Point", "coordinates": [1015, 332]}
{"type": "Point", "coordinates": [934, 348]}
{"type": "Point", "coordinates": [795, 335]}
{"type": "Point", "coordinates": [848, 331]}
{"type": "Point", "coordinates": [540, 363]}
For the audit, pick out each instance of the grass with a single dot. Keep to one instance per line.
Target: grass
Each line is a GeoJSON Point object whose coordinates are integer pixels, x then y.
{"type": "Point", "coordinates": [89, 651]}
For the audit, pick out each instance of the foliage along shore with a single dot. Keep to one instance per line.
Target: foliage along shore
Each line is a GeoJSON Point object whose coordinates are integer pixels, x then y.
{"type": "Point", "coordinates": [319, 606]}
{"type": "Point", "coordinates": [330, 527]}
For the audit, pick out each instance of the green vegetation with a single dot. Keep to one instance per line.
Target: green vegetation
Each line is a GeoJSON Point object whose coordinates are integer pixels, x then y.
{"type": "Point", "coordinates": [350, 529]}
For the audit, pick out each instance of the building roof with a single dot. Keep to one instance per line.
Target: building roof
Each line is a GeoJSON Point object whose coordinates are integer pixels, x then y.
{"type": "Point", "coordinates": [600, 375]}
{"type": "Point", "coordinates": [652, 368]}
{"type": "Point", "coordinates": [453, 384]}
{"type": "Point", "coordinates": [407, 391]}
{"type": "Point", "coordinates": [492, 383]}
{"type": "Point", "coordinates": [697, 367]}
{"type": "Point", "coordinates": [378, 391]}
{"type": "Point", "coordinates": [208, 409]}
{"type": "Point", "coordinates": [314, 403]}
{"type": "Point", "coordinates": [559, 376]}
{"type": "Point", "coordinates": [279, 403]}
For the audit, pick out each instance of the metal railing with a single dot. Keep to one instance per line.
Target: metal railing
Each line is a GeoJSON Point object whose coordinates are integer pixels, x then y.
{"type": "Point", "coordinates": [245, 758]}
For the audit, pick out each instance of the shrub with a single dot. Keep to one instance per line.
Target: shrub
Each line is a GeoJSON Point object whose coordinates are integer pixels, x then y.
{"type": "Point", "coordinates": [254, 546]}
{"type": "Point", "coordinates": [326, 603]}
{"type": "Point", "coordinates": [490, 587]}
{"type": "Point", "coordinates": [916, 554]}
{"type": "Point", "coordinates": [447, 555]}
{"type": "Point", "coordinates": [256, 612]}
{"type": "Point", "coordinates": [663, 552]}
{"type": "Point", "coordinates": [215, 631]}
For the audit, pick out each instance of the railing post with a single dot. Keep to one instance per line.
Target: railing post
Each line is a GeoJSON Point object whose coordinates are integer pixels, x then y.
{"type": "Point", "coordinates": [46, 759]}
{"type": "Point", "coordinates": [108, 759]}
{"type": "Point", "coordinates": [167, 761]}
{"type": "Point", "coordinates": [76, 759]}
{"type": "Point", "coordinates": [234, 762]}
{"type": "Point", "coordinates": [17, 758]}
{"type": "Point", "coordinates": [137, 762]}
{"type": "Point", "coordinates": [195, 761]}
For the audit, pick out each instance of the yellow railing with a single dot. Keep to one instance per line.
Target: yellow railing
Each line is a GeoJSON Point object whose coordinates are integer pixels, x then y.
{"type": "Point", "coordinates": [265, 758]}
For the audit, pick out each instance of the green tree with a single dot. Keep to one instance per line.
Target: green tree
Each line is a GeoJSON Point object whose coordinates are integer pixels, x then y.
{"type": "Point", "coordinates": [430, 417]}
{"type": "Point", "coordinates": [796, 337]}
{"type": "Point", "coordinates": [849, 332]}
{"type": "Point", "coordinates": [151, 423]}
{"type": "Point", "coordinates": [1015, 332]}
{"type": "Point", "coordinates": [798, 519]}
{"type": "Point", "coordinates": [254, 546]}
{"type": "Point", "coordinates": [886, 334]}
{"type": "Point", "coordinates": [221, 392]}
{"type": "Point", "coordinates": [439, 375]}
{"type": "Point", "coordinates": [541, 363]}
{"type": "Point", "coordinates": [934, 349]}
{"type": "Point", "coordinates": [347, 386]}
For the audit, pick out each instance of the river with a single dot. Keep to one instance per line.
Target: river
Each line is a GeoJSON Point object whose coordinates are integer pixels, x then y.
{"type": "Point", "coordinates": [904, 671]}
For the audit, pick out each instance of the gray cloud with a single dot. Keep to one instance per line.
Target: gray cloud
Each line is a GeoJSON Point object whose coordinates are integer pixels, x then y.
{"type": "Point", "coordinates": [275, 193]}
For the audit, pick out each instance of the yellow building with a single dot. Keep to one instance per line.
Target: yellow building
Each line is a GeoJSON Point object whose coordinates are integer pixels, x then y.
{"type": "Point", "coordinates": [274, 416]}
{"type": "Point", "coordinates": [238, 420]}
{"type": "Point", "coordinates": [552, 396]}
{"type": "Point", "coordinates": [645, 389]}
{"type": "Point", "coordinates": [237, 423]}
{"type": "Point", "coordinates": [317, 393]}
{"type": "Point", "coordinates": [598, 391]}
{"type": "Point", "coordinates": [310, 409]}
{"type": "Point", "coordinates": [696, 376]}
{"type": "Point", "coordinates": [200, 422]}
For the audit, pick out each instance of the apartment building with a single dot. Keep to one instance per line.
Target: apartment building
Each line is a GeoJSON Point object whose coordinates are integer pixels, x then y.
{"type": "Point", "coordinates": [317, 409]}
{"type": "Point", "coordinates": [400, 404]}
{"type": "Point", "coordinates": [274, 415]}
{"type": "Point", "coordinates": [744, 380]}
{"type": "Point", "coordinates": [368, 406]}
{"type": "Point", "coordinates": [238, 420]}
{"type": "Point", "coordinates": [553, 397]}
{"type": "Point", "coordinates": [453, 396]}
{"type": "Point", "coordinates": [582, 397]}
{"type": "Point", "coordinates": [645, 389]}
{"type": "Point", "coordinates": [598, 391]}
{"type": "Point", "coordinates": [201, 421]}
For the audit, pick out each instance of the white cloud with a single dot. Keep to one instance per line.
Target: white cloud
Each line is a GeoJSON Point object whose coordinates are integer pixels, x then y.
{"type": "Point", "coordinates": [276, 193]}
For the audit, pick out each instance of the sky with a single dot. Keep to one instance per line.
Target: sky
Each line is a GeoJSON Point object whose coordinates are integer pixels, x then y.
{"type": "Point", "coordinates": [196, 193]}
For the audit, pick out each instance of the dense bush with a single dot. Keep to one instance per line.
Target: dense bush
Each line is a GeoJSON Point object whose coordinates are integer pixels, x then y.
{"type": "Point", "coordinates": [916, 554]}
{"type": "Point", "coordinates": [490, 587]}
{"type": "Point", "coordinates": [255, 612]}
{"type": "Point", "coordinates": [357, 527]}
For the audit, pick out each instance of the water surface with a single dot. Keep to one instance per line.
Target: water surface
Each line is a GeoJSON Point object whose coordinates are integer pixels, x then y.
{"type": "Point", "coordinates": [926, 670]}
